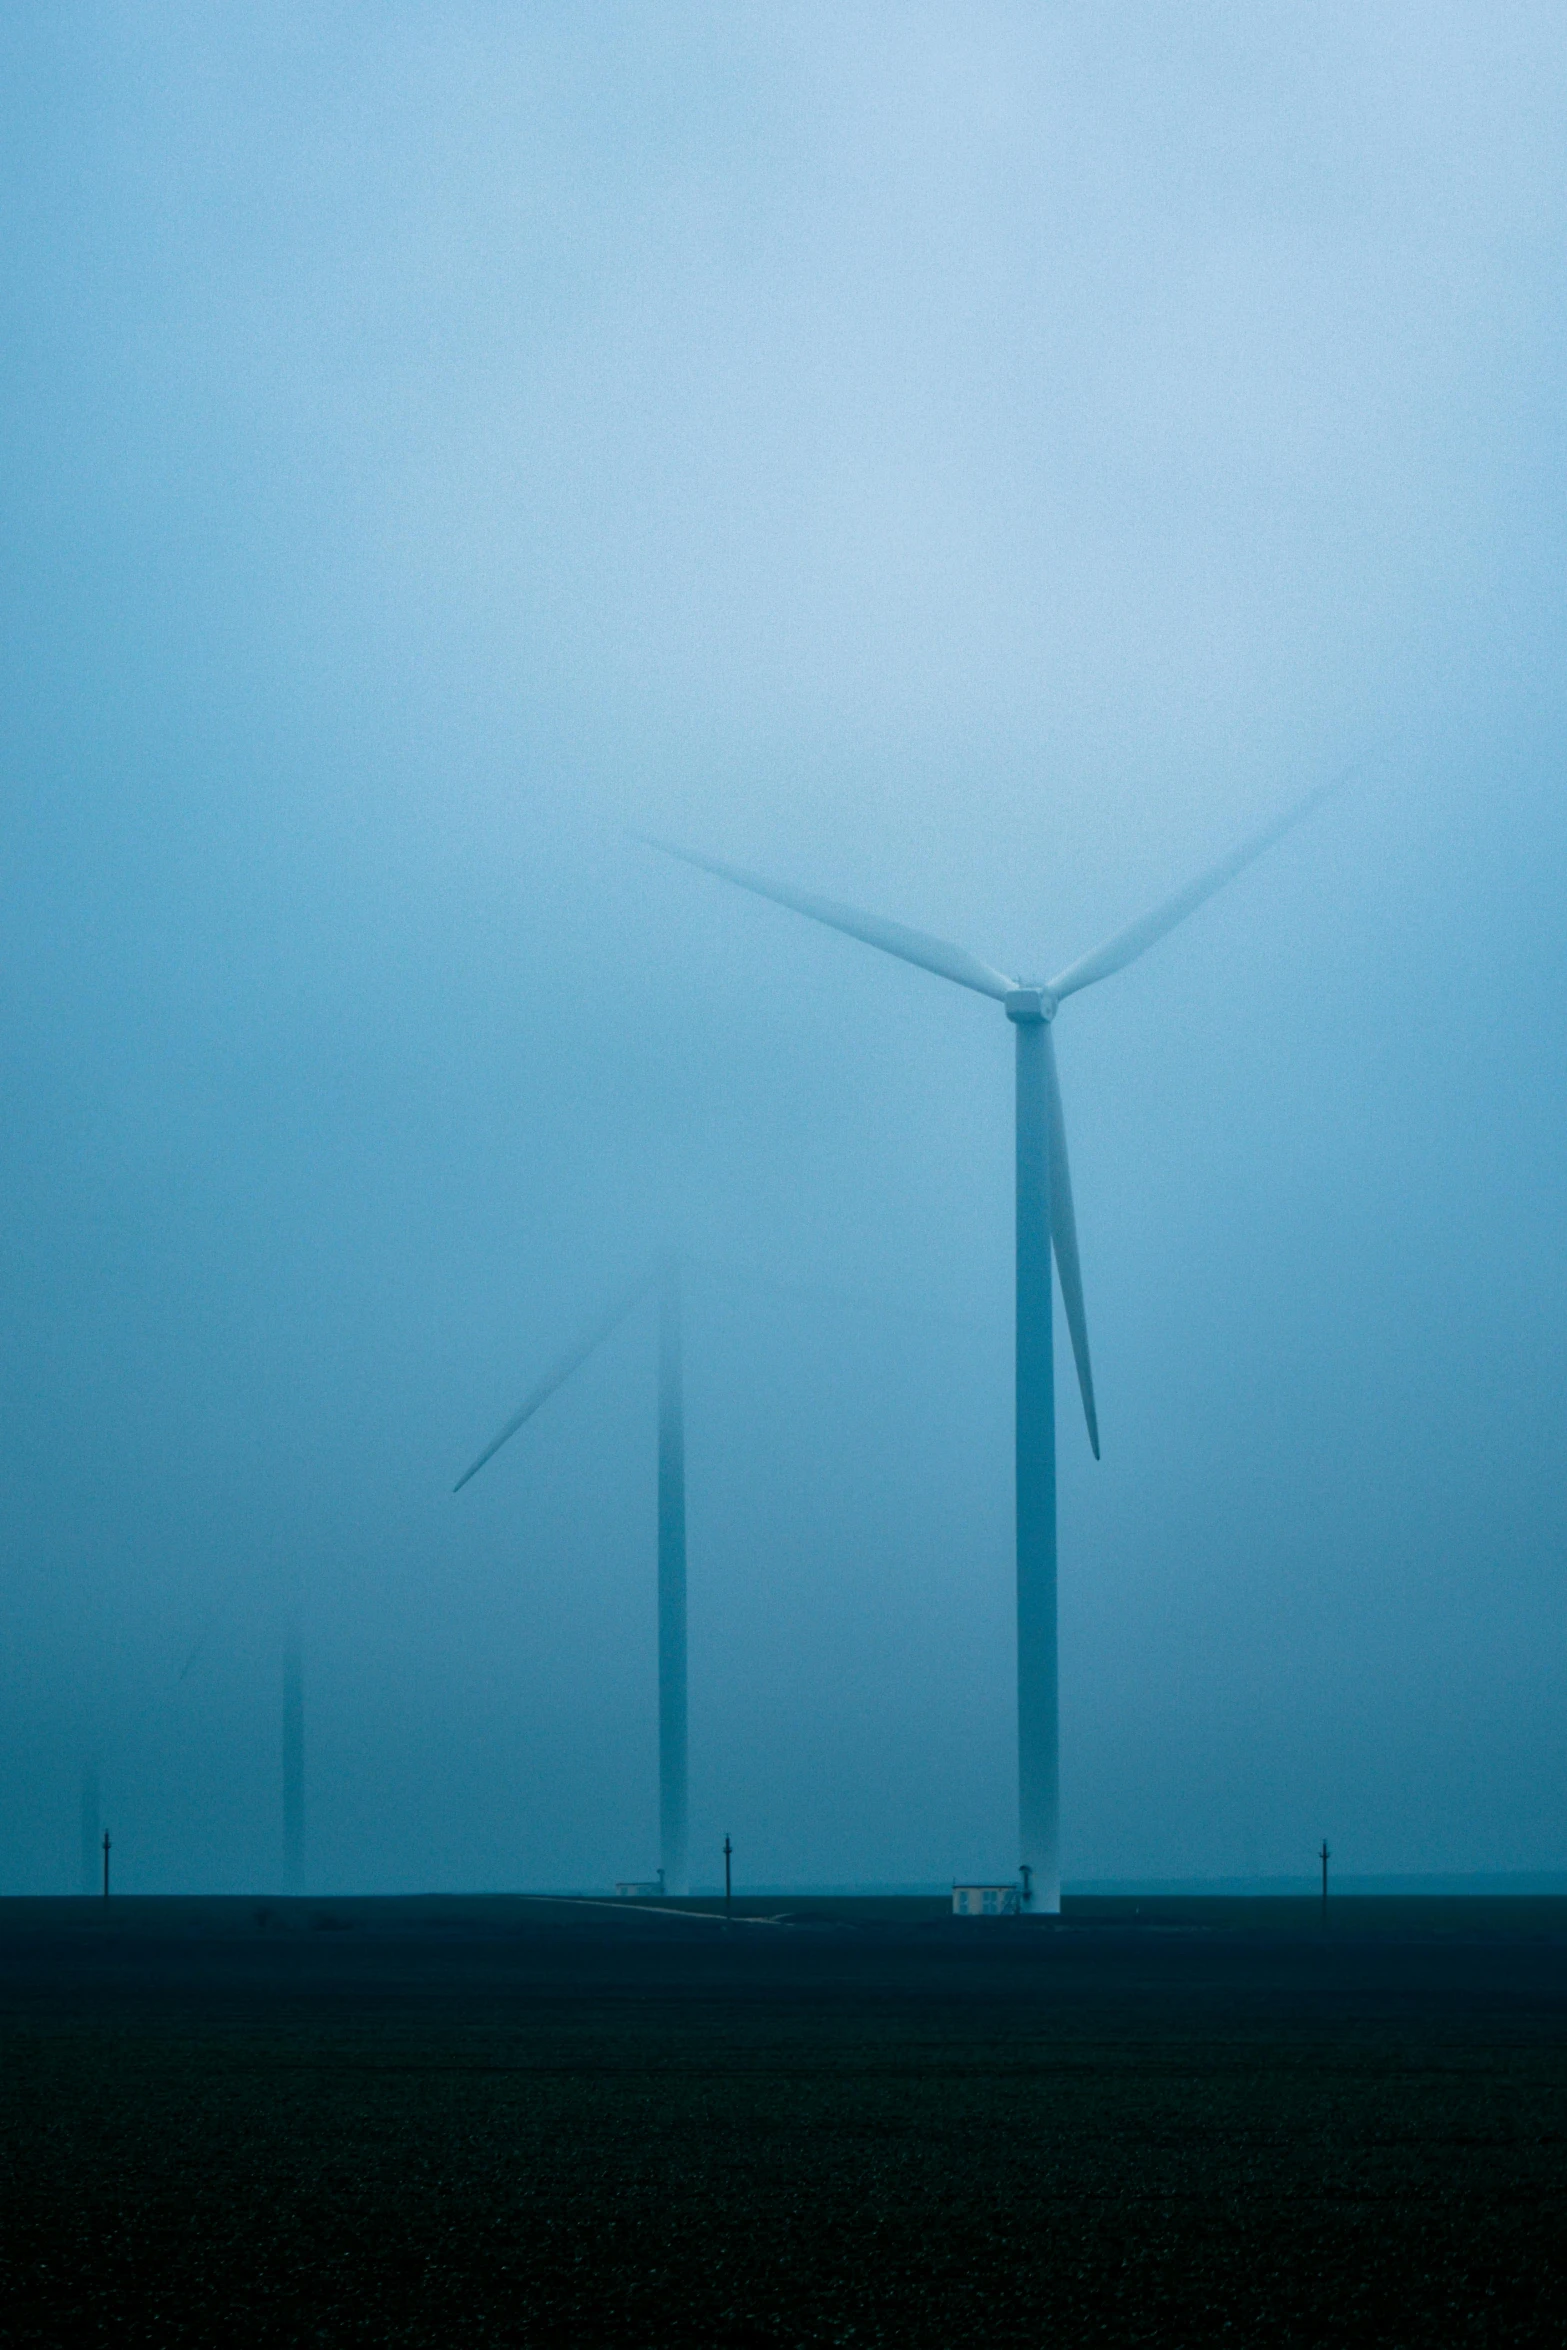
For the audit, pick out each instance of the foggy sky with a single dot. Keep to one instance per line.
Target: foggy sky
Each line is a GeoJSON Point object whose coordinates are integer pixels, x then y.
{"type": "Point", "coordinates": [976, 463]}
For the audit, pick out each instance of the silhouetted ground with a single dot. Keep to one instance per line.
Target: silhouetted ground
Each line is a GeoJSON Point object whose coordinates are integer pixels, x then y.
{"type": "Point", "coordinates": [512, 2121]}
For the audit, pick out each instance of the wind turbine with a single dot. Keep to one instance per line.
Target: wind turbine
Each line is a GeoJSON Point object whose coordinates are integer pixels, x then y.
{"type": "Point", "coordinates": [1044, 1218]}
{"type": "Point", "coordinates": [293, 1756]}
{"type": "Point", "coordinates": [293, 1744]}
{"type": "Point", "coordinates": [672, 1764]}
{"type": "Point", "coordinates": [92, 1824]}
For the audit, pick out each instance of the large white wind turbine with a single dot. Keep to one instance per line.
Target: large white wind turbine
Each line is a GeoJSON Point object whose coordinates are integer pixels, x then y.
{"type": "Point", "coordinates": [1044, 1217]}
{"type": "Point", "coordinates": [672, 1764]}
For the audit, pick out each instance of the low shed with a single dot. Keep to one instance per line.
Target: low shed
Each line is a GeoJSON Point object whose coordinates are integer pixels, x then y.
{"type": "Point", "coordinates": [986, 1901]}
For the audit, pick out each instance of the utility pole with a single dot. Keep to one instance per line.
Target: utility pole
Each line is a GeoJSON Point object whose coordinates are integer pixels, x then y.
{"type": "Point", "coordinates": [728, 1849]}
{"type": "Point", "coordinates": [106, 1864]}
{"type": "Point", "coordinates": [1324, 1856]}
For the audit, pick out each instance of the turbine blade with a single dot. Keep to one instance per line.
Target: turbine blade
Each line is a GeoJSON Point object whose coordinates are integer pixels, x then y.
{"type": "Point", "coordinates": [197, 1645]}
{"type": "Point", "coordinates": [1128, 944]}
{"type": "Point", "coordinates": [559, 1372]}
{"type": "Point", "coordinates": [894, 938]}
{"type": "Point", "coordinates": [1063, 1231]}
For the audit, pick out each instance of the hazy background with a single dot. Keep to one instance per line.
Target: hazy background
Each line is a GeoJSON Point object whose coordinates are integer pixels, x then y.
{"type": "Point", "coordinates": [973, 461]}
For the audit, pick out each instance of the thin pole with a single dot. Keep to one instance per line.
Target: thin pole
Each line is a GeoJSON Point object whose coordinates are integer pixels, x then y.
{"type": "Point", "coordinates": [728, 1849]}
{"type": "Point", "coordinates": [293, 1759]}
{"type": "Point", "coordinates": [106, 1864]}
{"type": "Point", "coordinates": [672, 1742]}
{"type": "Point", "coordinates": [1038, 1735]}
{"type": "Point", "coordinates": [1324, 1856]}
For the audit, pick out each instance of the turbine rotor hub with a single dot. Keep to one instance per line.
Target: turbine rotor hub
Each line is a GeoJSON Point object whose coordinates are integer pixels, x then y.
{"type": "Point", "coordinates": [1030, 1005]}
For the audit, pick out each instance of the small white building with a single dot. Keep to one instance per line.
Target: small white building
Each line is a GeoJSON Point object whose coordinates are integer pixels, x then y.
{"type": "Point", "coordinates": [986, 1901]}
{"type": "Point", "coordinates": [642, 1889]}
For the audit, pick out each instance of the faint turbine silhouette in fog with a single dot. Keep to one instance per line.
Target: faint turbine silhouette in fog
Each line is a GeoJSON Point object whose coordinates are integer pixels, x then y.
{"type": "Point", "coordinates": [673, 1764]}
{"type": "Point", "coordinates": [91, 1858]}
{"type": "Point", "coordinates": [293, 1757]}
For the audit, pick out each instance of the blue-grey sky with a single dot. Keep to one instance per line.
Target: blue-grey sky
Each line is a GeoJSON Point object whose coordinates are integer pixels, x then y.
{"type": "Point", "coordinates": [975, 462]}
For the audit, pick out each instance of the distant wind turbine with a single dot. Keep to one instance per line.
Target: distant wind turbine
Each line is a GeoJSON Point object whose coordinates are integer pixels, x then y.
{"type": "Point", "coordinates": [91, 1807]}
{"type": "Point", "coordinates": [293, 1743]}
{"type": "Point", "coordinates": [672, 1760]}
{"type": "Point", "coordinates": [1044, 1217]}
{"type": "Point", "coordinates": [294, 1756]}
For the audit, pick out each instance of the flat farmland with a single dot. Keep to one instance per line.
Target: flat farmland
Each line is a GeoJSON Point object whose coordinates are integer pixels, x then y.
{"type": "Point", "coordinates": [514, 2120]}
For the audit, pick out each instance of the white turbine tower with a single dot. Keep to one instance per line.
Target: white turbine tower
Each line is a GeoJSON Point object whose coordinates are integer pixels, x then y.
{"type": "Point", "coordinates": [1044, 1218]}
{"type": "Point", "coordinates": [672, 1762]}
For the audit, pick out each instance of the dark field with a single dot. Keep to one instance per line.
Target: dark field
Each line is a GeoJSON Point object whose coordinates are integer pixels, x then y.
{"type": "Point", "coordinates": [520, 2121]}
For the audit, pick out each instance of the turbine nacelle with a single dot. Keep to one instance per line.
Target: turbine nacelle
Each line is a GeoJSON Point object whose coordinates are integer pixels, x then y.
{"type": "Point", "coordinates": [1029, 1005]}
